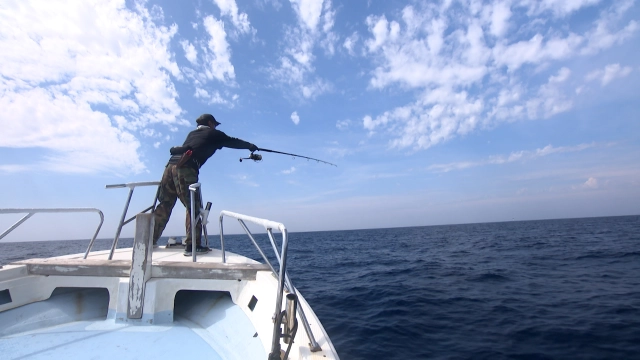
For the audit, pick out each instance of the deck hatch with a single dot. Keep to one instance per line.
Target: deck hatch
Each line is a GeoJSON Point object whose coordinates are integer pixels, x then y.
{"type": "Point", "coordinates": [5, 297]}
{"type": "Point", "coordinates": [253, 302]}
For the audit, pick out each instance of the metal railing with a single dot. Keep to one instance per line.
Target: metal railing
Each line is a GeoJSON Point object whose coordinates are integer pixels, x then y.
{"type": "Point", "coordinates": [283, 278]}
{"type": "Point", "coordinates": [195, 190]}
{"type": "Point", "coordinates": [203, 214]}
{"type": "Point", "coordinates": [31, 211]}
{"type": "Point", "coordinates": [122, 222]}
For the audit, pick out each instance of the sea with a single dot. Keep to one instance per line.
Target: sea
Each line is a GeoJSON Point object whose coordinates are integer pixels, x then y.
{"type": "Point", "coordinates": [549, 289]}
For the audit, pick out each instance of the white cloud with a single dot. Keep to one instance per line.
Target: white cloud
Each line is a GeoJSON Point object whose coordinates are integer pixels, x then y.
{"type": "Point", "coordinates": [436, 117]}
{"type": "Point", "coordinates": [240, 20]}
{"type": "Point", "coordinates": [339, 151]}
{"type": "Point", "coordinates": [213, 98]}
{"type": "Point", "coordinates": [551, 99]}
{"type": "Point", "coordinates": [201, 93]}
{"type": "Point", "coordinates": [609, 73]}
{"type": "Point", "coordinates": [343, 124]}
{"type": "Point", "coordinates": [559, 8]}
{"type": "Point", "coordinates": [309, 12]}
{"type": "Point", "coordinates": [536, 50]}
{"type": "Point", "coordinates": [605, 33]}
{"type": "Point", "coordinates": [523, 155]}
{"type": "Point", "coordinates": [314, 28]}
{"type": "Point", "coordinates": [473, 66]}
{"type": "Point", "coordinates": [214, 64]}
{"type": "Point", "coordinates": [68, 60]}
{"type": "Point", "coordinates": [295, 118]}
{"type": "Point", "coordinates": [500, 15]}
{"type": "Point", "coordinates": [15, 168]}
{"type": "Point", "coordinates": [190, 51]}
{"type": "Point", "coordinates": [350, 43]}
{"type": "Point", "coordinates": [79, 139]}
{"type": "Point", "coordinates": [245, 180]}
{"type": "Point", "coordinates": [218, 54]}
{"type": "Point", "coordinates": [275, 3]}
{"type": "Point", "coordinates": [290, 171]}
{"type": "Point", "coordinates": [591, 183]}
{"type": "Point", "coordinates": [562, 76]}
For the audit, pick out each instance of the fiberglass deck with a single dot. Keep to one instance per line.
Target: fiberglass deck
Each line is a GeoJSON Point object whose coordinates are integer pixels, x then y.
{"type": "Point", "coordinates": [200, 331]}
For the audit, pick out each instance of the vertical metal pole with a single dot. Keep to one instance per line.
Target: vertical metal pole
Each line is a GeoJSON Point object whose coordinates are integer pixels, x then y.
{"type": "Point", "coordinates": [264, 257]}
{"type": "Point", "coordinates": [124, 214]}
{"type": "Point", "coordinates": [224, 259]}
{"type": "Point", "coordinates": [93, 239]}
{"type": "Point", "coordinates": [204, 221]}
{"type": "Point", "coordinates": [155, 201]}
{"type": "Point", "coordinates": [192, 189]}
{"type": "Point", "coordinates": [314, 344]}
{"type": "Point", "coordinates": [273, 243]}
{"type": "Point", "coordinates": [292, 304]}
{"type": "Point", "coordinates": [205, 234]}
{"type": "Point", "coordinates": [275, 343]}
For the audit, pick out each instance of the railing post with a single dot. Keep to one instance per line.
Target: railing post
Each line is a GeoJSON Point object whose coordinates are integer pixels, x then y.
{"type": "Point", "coordinates": [95, 235]}
{"type": "Point", "coordinates": [31, 211]}
{"type": "Point", "coordinates": [275, 342]}
{"type": "Point", "coordinates": [193, 189]}
{"type": "Point", "coordinates": [314, 344]}
{"type": "Point", "coordinates": [283, 277]}
{"type": "Point", "coordinates": [224, 258]}
{"type": "Point", "coordinates": [124, 214]}
{"type": "Point", "coordinates": [24, 218]}
{"type": "Point", "coordinates": [131, 187]}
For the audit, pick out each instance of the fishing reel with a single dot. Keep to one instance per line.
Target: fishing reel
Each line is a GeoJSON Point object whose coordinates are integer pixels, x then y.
{"type": "Point", "coordinates": [254, 157]}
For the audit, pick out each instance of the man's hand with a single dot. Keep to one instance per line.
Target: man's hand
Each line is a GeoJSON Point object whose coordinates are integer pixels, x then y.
{"type": "Point", "coordinates": [253, 148]}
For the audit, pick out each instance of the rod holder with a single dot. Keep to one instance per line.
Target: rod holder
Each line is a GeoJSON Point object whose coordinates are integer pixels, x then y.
{"type": "Point", "coordinates": [292, 305]}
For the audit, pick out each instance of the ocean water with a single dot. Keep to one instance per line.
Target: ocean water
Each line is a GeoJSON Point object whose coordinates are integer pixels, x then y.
{"type": "Point", "coordinates": [553, 289]}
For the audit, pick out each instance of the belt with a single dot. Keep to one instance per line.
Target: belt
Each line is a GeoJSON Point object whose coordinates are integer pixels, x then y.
{"type": "Point", "coordinates": [192, 162]}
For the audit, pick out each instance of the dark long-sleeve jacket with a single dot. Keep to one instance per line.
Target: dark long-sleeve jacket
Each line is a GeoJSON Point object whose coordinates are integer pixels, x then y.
{"type": "Point", "coordinates": [204, 141]}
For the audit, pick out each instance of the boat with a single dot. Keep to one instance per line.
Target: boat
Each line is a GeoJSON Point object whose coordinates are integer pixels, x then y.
{"type": "Point", "coordinates": [153, 302]}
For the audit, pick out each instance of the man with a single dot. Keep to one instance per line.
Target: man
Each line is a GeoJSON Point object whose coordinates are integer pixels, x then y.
{"type": "Point", "coordinates": [182, 171]}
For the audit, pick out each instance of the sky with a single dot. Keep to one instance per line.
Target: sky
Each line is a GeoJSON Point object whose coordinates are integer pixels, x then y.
{"type": "Point", "coordinates": [435, 112]}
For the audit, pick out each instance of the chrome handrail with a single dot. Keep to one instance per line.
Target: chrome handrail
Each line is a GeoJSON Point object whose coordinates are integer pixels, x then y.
{"type": "Point", "coordinates": [283, 277]}
{"type": "Point", "coordinates": [122, 222]}
{"type": "Point", "coordinates": [31, 211]}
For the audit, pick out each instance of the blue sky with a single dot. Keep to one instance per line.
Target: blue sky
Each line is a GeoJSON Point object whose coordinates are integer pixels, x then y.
{"type": "Point", "coordinates": [435, 112]}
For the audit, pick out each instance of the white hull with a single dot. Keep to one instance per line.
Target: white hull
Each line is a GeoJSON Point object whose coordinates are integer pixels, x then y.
{"type": "Point", "coordinates": [153, 302]}
{"type": "Point", "coordinates": [193, 317]}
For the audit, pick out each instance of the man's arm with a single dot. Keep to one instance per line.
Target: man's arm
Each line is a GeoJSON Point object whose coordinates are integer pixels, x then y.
{"type": "Point", "coordinates": [235, 143]}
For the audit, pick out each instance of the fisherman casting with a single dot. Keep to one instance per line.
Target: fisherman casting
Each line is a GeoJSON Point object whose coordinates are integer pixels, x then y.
{"type": "Point", "coordinates": [183, 170]}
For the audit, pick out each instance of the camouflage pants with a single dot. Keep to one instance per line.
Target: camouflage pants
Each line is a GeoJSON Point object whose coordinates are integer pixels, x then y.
{"type": "Point", "coordinates": [175, 185]}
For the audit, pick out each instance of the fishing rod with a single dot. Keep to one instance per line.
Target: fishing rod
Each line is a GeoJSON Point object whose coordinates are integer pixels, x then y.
{"type": "Point", "coordinates": [258, 157]}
